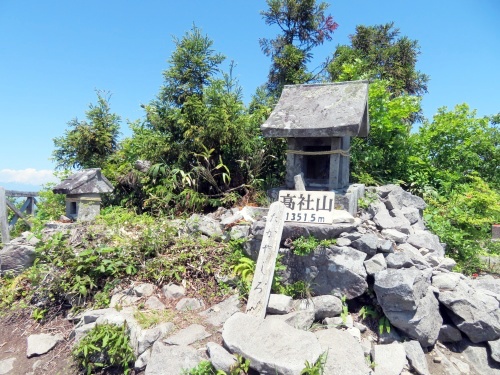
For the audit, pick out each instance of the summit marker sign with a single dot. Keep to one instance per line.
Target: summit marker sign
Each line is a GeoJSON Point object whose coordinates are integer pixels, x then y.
{"type": "Point", "coordinates": [315, 207]}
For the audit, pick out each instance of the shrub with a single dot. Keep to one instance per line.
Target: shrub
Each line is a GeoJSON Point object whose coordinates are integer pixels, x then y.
{"type": "Point", "coordinates": [105, 345]}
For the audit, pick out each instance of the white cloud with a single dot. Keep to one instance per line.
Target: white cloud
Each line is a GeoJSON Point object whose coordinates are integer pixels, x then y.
{"type": "Point", "coordinates": [28, 176]}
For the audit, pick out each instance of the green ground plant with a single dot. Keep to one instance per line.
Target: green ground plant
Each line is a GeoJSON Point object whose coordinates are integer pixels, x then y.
{"type": "Point", "coordinates": [305, 245]}
{"type": "Point", "coordinates": [316, 368]}
{"type": "Point", "coordinates": [102, 347]}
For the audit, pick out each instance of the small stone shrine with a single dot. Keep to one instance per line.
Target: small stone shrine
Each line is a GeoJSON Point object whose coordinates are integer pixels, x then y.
{"type": "Point", "coordinates": [83, 193]}
{"type": "Point", "coordinates": [318, 121]}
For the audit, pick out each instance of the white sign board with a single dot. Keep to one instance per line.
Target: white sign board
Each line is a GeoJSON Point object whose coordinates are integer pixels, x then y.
{"type": "Point", "coordinates": [315, 207]}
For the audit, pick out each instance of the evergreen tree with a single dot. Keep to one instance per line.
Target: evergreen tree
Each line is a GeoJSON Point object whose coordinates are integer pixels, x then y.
{"type": "Point", "coordinates": [377, 52]}
{"type": "Point", "coordinates": [89, 144]}
{"type": "Point", "coordinates": [303, 26]}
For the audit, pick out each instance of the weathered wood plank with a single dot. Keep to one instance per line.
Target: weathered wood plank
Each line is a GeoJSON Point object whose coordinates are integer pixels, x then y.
{"type": "Point", "coordinates": [4, 229]}
{"type": "Point", "coordinates": [17, 212]}
{"type": "Point", "coordinates": [344, 162]}
{"type": "Point", "coordinates": [20, 194]}
{"type": "Point", "coordinates": [334, 182]}
{"type": "Point", "coordinates": [264, 269]}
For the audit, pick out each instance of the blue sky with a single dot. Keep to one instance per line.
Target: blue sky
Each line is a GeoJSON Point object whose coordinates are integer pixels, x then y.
{"type": "Point", "coordinates": [55, 54]}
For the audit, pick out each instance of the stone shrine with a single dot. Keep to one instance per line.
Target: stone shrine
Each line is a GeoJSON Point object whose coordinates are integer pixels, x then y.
{"type": "Point", "coordinates": [83, 193]}
{"type": "Point", "coordinates": [318, 120]}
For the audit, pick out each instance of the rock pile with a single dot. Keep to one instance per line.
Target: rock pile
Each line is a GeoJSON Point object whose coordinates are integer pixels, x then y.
{"type": "Point", "coordinates": [385, 256]}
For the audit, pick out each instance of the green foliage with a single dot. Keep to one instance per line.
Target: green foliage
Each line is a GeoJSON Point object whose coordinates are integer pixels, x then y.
{"type": "Point", "coordinates": [368, 312]}
{"type": "Point", "coordinates": [299, 289]}
{"type": "Point", "coordinates": [204, 147]}
{"type": "Point", "coordinates": [303, 26]}
{"type": "Point", "coordinates": [245, 269]}
{"type": "Point", "coordinates": [369, 198]}
{"type": "Point", "coordinates": [89, 144]}
{"type": "Point", "coordinates": [463, 221]}
{"type": "Point", "coordinates": [204, 368]}
{"type": "Point", "coordinates": [304, 246]}
{"type": "Point", "coordinates": [241, 367]}
{"type": "Point", "coordinates": [383, 155]}
{"type": "Point", "coordinates": [345, 309]}
{"type": "Point", "coordinates": [317, 368]}
{"type": "Point", "coordinates": [384, 325]}
{"type": "Point", "coordinates": [151, 318]}
{"type": "Point", "coordinates": [453, 146]}
{"type": "Point", "coordinates": [103, 346]}
{"type": "Point", "coordinates": [378, 52]}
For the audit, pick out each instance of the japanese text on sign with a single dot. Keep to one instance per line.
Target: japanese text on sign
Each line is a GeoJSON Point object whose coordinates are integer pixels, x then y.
{"type": "Point", "coordinates": [308, 206]}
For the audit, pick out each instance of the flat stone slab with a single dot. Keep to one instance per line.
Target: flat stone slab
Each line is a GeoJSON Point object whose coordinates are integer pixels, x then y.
{"type": "Point", "coordinates": [171, 359]}
{"type": "Point", "coordinates": [390, 359]}
{"type": "Point", "coordinates": [344, 353]}
{"type": "Point", "coordinates": [219, 313]}
{"type": "Point", "coordinates": [189, 335]}
{"type": "Point", "coordinates": [272, 346]}
{"type": "Point", "coordinates": [42, 343]}
{"type": "Point", "coordinates": [6, 365]}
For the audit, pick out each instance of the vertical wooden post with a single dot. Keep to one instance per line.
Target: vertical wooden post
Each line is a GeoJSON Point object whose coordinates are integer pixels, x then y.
{"type": "Point", "coordinates": [4, 227]}
{"type": "Point", "coordinates": [334, 179]}
{"type": "Point", "coordinates": [258, 297]}
{"type": "Point", "coordinates": [344, 161]}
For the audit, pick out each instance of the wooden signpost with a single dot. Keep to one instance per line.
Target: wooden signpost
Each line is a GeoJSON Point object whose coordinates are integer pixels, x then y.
{"type": "Point", "coordinates": [264, 270]}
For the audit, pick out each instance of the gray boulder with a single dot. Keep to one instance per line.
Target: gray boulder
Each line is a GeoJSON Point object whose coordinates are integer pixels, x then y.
{"type": "Point", "coordinates": [477, 356]}
{"type": "Point", "coordinates": [344, 354]}
{"type": "Point", "coordinates": [390, 359]}
{"type": "Point", "coordinates": [147, 337]}
{"type": "Point", "coordinates": [173, 291]}
{"type": "Point", "coordinates": [272, 346]}
{"type": "Point", "coordinates": [383, 219]}
{"type": "Point", "coordinates": [367, 243]}
{"type": "Point", "coordinates": [394, 235]}
{"type": "Point", "coordinates": [16, 258]}
{"type": "Point", "coordinates": [188, 335]}
{"type": "Point", "coordinates": [495, 350]}
{"type": "Point", "coordinates": [375, 264]}
{"type": "Point", "coordinates": [6, 365]}
{"type": "Point", "coordinates": [399, 260]}
{"type": "Point", "coordinates": [424, 238]}
{"type": "Point", "coordinates": [448, 333]}
{"type": "Point", "coordinates": [416, 357]}
{"type": "Point", "coordinates": [398, 198]}
{"type": "Point", "coordinates": [219, 313]}
{"type": "Point", "coordinates": [319, 231]}
{"type": "Point", "coordinates": [326, 306]}
{"type": "Point", "coordinates": [473, 312]}
{"type": "Point", "coordinates": [407, 300]}
{"type": "Point", "coordinates": [42, 343]}
{"type": "Point", "coordinates": [189, 304]}
{"type": "Point", "coordinates": [329, 270]}
{"type": "Point", "coordinates": [178, 358]}
{"type": "Point", "coordinates": [412, 214]}
{"type": "Point", "coordinates": [279, 304]}
{"type": "Point", "coordinates": [302, 319]}
{"type": "Point", "coordinates": [221, 359]}
{"type": "Point", "coordinates": [204, 225]}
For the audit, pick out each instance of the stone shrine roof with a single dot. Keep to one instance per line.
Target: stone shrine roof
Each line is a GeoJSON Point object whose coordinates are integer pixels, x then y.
{"type": "Point", "coordinates": [88, 181]}
{"type": "Point", "coordinates": [320, 110]}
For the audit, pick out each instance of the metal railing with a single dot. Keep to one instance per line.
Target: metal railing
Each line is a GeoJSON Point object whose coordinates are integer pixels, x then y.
{"type": "Point", "coordinates": [28, 208]}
